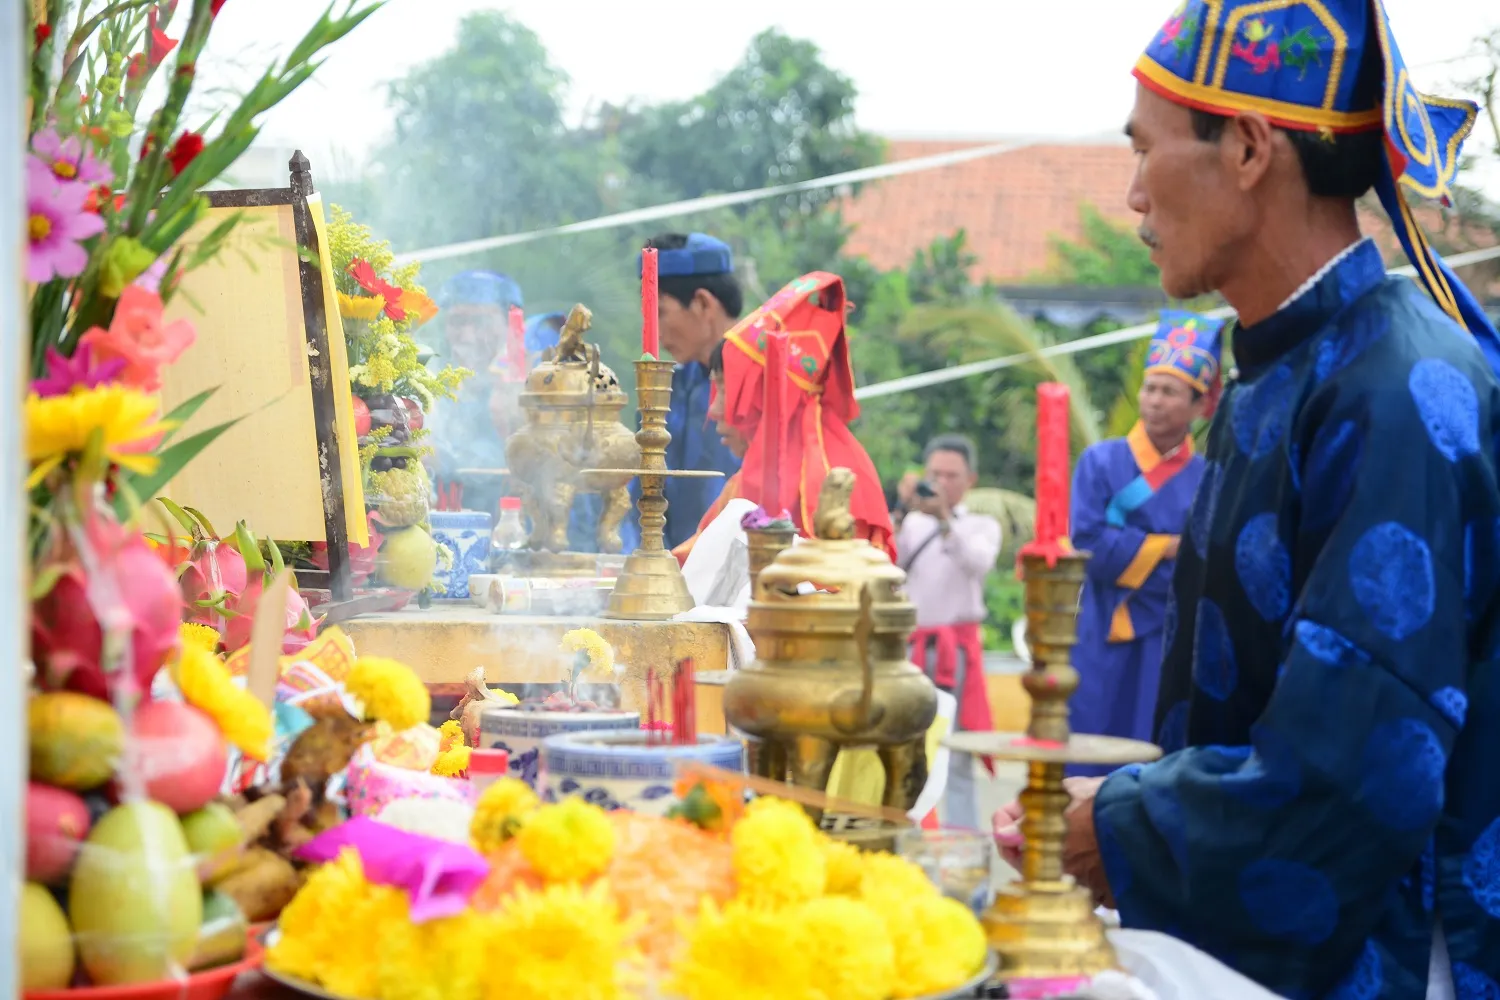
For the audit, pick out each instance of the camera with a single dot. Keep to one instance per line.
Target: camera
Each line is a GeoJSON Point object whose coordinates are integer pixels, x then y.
{"type": "Point", "coordinates": [925, 491]}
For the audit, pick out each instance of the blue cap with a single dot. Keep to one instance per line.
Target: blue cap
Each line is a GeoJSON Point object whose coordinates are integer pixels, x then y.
{"type": "Point", "coordinates": [1326, 66]}
{"type": "Point", "coordinates": [480, 288]}
{"type": "Point", "coordinates": [703, 255]}
{"type": "Point", "coordinates": [1186, 345]}
{"type": "Point", "coordinates": [544, 331]}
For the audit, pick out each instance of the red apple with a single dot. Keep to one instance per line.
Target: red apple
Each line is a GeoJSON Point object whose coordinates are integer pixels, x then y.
{"type": "Point", "coordinates": [56, 823]}
{"type": "Point", "coordinates": [179, 753]}
{"type": "Point", "coordinates": [413, 414]}
{"type": "Point", "coordinates": [361, 418]}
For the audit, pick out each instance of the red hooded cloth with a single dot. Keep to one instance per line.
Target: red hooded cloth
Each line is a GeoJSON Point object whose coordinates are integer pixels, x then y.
{"type": "Point", "coordinates": [815, 435]}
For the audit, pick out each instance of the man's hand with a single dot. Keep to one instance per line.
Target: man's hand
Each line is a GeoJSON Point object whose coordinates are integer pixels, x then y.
{"type": "Point", "coordinates": [1170, 552]}
{"type": "Point", "coordinates": [1080, 848]}
{"type": "Point", "coordinates": [935, 506]}
{"type": "Point", "coordinates": [907, 488]}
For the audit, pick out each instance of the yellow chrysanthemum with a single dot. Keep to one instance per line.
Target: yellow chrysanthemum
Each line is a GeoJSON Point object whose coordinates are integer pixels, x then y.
{"type": "Point", "coordinates": [886, 874]}
{"type": "Point", "coordinates": [452, 762]}
{"type": "Point", "coordinates": [845, 866]}
{"type": "Point", "coordinates": [124, 419]}
{"type": "Point", "coordinates": [938, 941]}
{"type": "Point", "coordinates": [450, 733]}
{"type": "Point", "coordinates": [206, 684]}
{"type": "Point", "coordinates": [393, 958]}
{"type": "Point", "coordinates": [778, 859]}
{"type": "Point", "coordinates": [568, 842]}
{"type": "Point", "coordinates": [499, 813]}
{"type": "Point", "coordinates": [361, 306]}
{"type": "Point", "coordinates": [743, 952]}
{"type": "Point", "coordinates": [201, 636]}
{"type": "Point", "coordinates": [853, 958]}
{"type": "Point", "coordinates": [390, 691]}
{"type": "Point", "coordinates": [564, 941]}
{"type": "Point", "coordinates": [601, 653]}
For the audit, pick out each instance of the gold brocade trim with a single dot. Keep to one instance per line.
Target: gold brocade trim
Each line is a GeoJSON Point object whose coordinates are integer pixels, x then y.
{"type": "Point", "coordinates": [1331, 23]}
{"type": "Point", "coordinates": [1121, 626]}
{"type": "Point", "coordinates": [1206, 98]}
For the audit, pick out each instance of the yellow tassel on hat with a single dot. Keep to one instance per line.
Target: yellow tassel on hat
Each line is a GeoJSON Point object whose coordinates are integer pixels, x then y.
{"type": "Point", "coordinates": [1326, 134]}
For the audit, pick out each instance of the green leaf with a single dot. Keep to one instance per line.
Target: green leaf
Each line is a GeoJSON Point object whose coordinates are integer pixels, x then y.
{"type": "Point", "coordinates": [249, 549]}
{"type": "Point", "coordinates": [277, 564]}
{"type": "Point", "coordinates": [175, 458]}
{"type": "Point", "coordinates": [181, 516]}
{"type": "Point", "coordinates": [183, 412]}
{"type": "Point", "coordinates": [202, 519]}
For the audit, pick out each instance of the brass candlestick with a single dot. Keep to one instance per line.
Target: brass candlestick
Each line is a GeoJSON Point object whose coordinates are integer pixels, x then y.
{"type": "Point", "coordinates": [1043, 927]}
{"type": "Point", "coordinates": [650, 586]}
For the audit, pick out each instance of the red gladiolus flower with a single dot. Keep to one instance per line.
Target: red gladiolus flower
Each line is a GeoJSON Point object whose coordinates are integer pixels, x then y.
{"type": "Point", "coordinates": [364, 274]}
{"type": "Point", "coordinates": [146, 146]}
{"type": "Point", "coordinates": [213, 8]}
{"type": "Point", "coordinates": [41, 34]}
{"type": "Point", "coordinates": [98, 197]}
{"type": "Point", "coordinates": [184, 151]}
{"type": "Point", "coordinates": [161, 45]}
{"type": "Point", "coordinates": [136, 68]}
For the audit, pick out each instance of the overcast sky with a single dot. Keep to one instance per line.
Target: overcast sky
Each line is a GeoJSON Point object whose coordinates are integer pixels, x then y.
{"type": "Point", "coordinates": [972, 68]}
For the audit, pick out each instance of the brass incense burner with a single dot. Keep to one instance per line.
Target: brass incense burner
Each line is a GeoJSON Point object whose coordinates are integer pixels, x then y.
{"type": "Point", "coordinates": [1043, 927]}
{"type": "Point", "coordinates": [572, 442]}
{"type": "Point", "coordinates": [830, 625]}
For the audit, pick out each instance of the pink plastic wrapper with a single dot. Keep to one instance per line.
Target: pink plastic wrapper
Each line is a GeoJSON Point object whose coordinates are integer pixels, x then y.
{"type": "Point", "coordinates": [372, 785]}
{"type": "Point", "coordinates": [437, 876]}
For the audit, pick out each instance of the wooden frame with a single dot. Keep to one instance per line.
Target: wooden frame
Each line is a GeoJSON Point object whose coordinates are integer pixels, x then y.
{"type": "Point", "coordinates": [324, 398]}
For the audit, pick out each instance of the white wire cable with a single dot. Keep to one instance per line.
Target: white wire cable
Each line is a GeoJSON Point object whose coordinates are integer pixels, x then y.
{"type": "Point", "coordinates": [923, 380]}
{"type": "Point", "coordinates": [713, 201]}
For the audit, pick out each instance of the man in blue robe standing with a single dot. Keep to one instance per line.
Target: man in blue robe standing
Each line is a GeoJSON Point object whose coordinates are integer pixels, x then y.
{"type": "Point", "coordinates": [698, 302]}
{"type": "Point", "coordinates": [1130, 502]}
{"type": "Point", "coordinates": [1330, 696]}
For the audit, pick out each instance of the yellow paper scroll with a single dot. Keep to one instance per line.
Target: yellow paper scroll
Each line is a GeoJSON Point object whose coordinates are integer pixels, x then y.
{"type": "Point", "coordinates": [252, 344]}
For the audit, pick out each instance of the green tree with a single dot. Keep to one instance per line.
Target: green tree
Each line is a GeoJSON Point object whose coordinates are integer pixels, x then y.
{"type": "Point", "coordinates": [778, 117]}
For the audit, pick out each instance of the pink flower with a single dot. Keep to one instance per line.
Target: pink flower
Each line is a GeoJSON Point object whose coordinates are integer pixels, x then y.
{"type": "Point", "coordinates": [78, 372]}
{"type": "Point", "coordinates": [150, 279]}
{"type": "Point", "coordinates": [137, 336]}
{"type": "Point", "coordinates": [69, 159]}
{"type": "Point", "coordinates": [131, 588]}
{"type": "Point", "coordinates": [56, 222]}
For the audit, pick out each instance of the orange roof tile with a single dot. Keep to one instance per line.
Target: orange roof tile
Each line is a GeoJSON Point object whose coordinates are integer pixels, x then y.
{"type": "Point", "coordinates": [1012, 205]}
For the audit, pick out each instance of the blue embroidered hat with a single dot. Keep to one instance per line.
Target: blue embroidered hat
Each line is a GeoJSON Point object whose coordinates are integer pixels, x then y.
{"type": "Point", "coordinates": [1327, 66]}
{"type": "Point", "coordinates": [480, 288]}
{"type": "Point", "coordinates": [1187, 345]}
{"type": "Point", "coordinates": [544, 331]}
{"type": "Point", "coordinates": [702, 256]}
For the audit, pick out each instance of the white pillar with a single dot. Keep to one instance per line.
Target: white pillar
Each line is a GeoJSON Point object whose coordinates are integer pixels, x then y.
{"type": "Point", "coordinates": [14, 625]}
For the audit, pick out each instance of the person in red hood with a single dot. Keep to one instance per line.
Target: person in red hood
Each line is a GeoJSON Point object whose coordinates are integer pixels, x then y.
{"type": "Point", "coordinates": [815, 435]}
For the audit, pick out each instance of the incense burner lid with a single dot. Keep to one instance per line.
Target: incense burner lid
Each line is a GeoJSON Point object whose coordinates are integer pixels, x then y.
{"type": "Point", "coordinates": [830, 573]}
{"type": "Point", "coordinates": [571, 376]}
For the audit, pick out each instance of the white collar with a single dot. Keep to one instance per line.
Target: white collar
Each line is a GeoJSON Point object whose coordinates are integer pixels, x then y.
{"type": "Point", "coordinates": [1323, 272]}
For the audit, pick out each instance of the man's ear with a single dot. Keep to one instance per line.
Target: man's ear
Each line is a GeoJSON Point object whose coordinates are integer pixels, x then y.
{"type": "Point", "coordinates": [1249, 148]}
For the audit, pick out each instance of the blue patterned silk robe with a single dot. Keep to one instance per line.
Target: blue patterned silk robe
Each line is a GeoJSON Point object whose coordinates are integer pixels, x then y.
{"type": "Point", "coordinates": [1330, 700]}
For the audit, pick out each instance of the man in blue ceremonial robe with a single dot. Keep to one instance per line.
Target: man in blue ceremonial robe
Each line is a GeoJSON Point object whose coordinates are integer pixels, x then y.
{"type": "Point", "coordinates": [1327, 818]}
{"type": "Point", "coordinates": [698, 302]}
{"type": "Point", "coordinates": [1130, 503]}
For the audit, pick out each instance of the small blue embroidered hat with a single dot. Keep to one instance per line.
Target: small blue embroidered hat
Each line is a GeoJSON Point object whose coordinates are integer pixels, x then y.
{"type": "Point", "coordinates": [1187, 345]}
{"type": "Point", "coordinates": [1327, 66]}
{"type": "Point", "coordinates": [480, 288]}
{"type": "Point", "coordinates": [703, 255]}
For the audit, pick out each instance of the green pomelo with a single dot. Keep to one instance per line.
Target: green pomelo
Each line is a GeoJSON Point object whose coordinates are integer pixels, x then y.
{"type": "Point", "coordinates": [407, 558]}
{"type": "Point", "coordinates": [134, 897]}
{"type": "Point", "coordinates": [46, 945]}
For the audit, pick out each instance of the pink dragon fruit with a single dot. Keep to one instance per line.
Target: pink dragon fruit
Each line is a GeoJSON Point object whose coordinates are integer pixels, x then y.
{"type": "Point", "coordinates": [300, 628]}
{"type": "Point", "coordinates": [131, 585]}
{"type": "Point", "coordinates": [214, 573]}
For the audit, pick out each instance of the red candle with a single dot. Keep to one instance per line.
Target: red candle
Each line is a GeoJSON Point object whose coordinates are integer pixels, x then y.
{"type": "Point", "coordinates": [649, 341]}
{"type": "Point", "coordinates": [772, 422]}
{"type": "Point", "coordinates": [1052, 413]}
{"type": "Point", "coordinates": [515, 345]}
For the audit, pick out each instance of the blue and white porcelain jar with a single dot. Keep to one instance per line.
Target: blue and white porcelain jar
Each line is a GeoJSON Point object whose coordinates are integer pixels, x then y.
{"type": "Point", "coordinates": [520, 732]}
{"type": "Point", "coordinates": [466, 536]}
{"type": "Point", "coordinates": [623, 771]}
